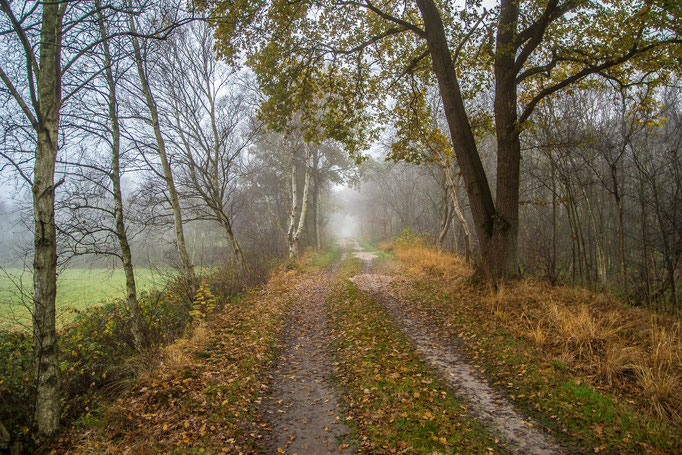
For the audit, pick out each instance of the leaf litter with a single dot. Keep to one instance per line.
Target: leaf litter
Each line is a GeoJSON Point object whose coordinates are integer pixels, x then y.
{"type": "Point", "coordinates": [302, 414]}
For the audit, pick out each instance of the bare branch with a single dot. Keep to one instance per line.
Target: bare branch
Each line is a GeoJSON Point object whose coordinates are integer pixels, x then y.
{"type": "Point", "coordinates": [17, 96]}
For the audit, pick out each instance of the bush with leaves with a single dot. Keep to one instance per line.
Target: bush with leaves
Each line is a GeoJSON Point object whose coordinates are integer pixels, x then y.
{"type": "Point", "coordinates": [408, 239]}
{"type": "Point", "coordinates": [93, 350]}
{"type": "Point", "coordinates": [204, 303]}
{"type": "Point", "coordinates": [16, 380]}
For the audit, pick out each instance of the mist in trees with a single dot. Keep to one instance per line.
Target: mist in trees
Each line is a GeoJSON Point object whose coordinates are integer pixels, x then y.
{"type": "Point", "coordinates": [127, 130]}
{"type": "Point", "coordinates": [600, 199]}
{"type": "Point", "coordinates": [532, 137]}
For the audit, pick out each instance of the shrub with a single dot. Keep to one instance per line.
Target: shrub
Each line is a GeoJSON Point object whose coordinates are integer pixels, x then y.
{"type": "Point", "coordinates": [166, 314]}
{"type": "Point", "coordinates": [97, 354]}
{"type": "Point", "coordinates": [92, 349]}
{"type": "Point", "coordinates": [204, 303]}
{"type": "Point", "coordinates": [407, 238]}
{"type": "Point", "coordinates": [16, 381]}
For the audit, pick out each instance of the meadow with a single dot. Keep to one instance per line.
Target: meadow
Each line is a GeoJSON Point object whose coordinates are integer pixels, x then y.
{"type": "Point", "coordinates": [77, 290]}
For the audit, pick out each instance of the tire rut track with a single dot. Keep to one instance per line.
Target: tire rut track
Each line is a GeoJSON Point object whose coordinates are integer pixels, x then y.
{"type": "Point", "coordinates": [486, 404]}
{"type": "Point", "coordinates": [302, 413]}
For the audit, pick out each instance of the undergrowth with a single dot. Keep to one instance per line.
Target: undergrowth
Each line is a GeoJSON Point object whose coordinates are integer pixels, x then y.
{"type": "Point", "coordinates": [200, 396]}
{"type": "Point", "coordinates": [96, 351]}
{"type": "Point", "coordinates": [582, 363]}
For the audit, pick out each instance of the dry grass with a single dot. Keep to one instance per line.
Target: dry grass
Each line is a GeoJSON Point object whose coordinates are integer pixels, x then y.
{"type": "Point", "coordinates": [618, 361]}
{"type": "Point", "coordinates": [634, 352]}
{"type": "Point", "coordinates": [433, 263]}
{"type": "Point", "coordinates": [386, 245]}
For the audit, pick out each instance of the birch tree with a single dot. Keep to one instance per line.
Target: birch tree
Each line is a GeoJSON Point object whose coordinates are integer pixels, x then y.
{"type": "Point", "coordinates": [213, 122]}
{"type": "Point", "coordinates": [297, 218]}
{"type": "Point", "coordinates": [44, 45]}
{"type": "Point", "coordinates": [146, 88]}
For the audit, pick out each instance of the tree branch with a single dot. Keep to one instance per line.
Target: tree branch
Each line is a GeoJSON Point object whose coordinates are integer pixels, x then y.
{"type": "Point", "coordinates": [370, 6]}
{"type": "Point", "coordinates": [589, 71]}
{"type": "Point", "coordinates": [17, 167]}
{"type": "Point", "coordinates": [17, 96]}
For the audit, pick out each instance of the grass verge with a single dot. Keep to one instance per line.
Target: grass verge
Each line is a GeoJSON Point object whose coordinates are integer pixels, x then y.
{"type": "Point", "coordinates": [396, 402]}
{"type": "Point", "coordinates": [200, 397]}
{"type": "Point", "coordinates": [572, 360]}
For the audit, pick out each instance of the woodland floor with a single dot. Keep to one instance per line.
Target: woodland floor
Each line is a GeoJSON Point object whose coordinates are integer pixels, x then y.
{"type": "Point", "coordinates": [325, 359]}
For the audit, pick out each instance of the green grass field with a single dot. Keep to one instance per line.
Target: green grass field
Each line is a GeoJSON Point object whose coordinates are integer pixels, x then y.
{"type": "Point", "coordinates": [76, 288]}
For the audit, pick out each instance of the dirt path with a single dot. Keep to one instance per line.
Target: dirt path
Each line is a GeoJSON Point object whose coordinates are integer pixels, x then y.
{"type": "Point", "coordinates": [484, 403]}
{"type": "Point", "coordinates": [302, 414]}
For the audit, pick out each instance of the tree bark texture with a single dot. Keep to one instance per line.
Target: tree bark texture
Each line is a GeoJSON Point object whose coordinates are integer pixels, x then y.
{"type": "Point", "coordinates": [47, 408]}
{"type": "Point", "coordinates": [501, 253]}
{"type": "Point", "coordinates": [496, 223]}
{"type": "Point", "coordinates": [294, 209]}
{"type": "Point", "coordinates": [460, 216]}
{"type": "Point", "coordinates": [294, 246]}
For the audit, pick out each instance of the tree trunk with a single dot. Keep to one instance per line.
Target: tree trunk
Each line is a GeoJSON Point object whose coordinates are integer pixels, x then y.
{"type": "Point", "coordinates": [45, 283]}
{"type": "Point", "coordinates": [220, 212]}
{"type": "Point", "coordinates": [316, 214]}
{"type": "Point", "coordinates": [501, 253]}
{"type": "Point", "coordinates": [47, 408]}
{"type": "Point", "coordinates": [598, 232]}
{"type": "Point", "coordinates": [293, 211]}
{"type": "Point", "coordinates": [446, 215]}
{"type": "Point", "coordinates": [496, 223]}
{"type": "Point", "coordinates": [460, 215]}
{"type": "Point", "coordinates": [304, 206]}
{"type": "Point", "coordinates": [645, 243]}
{"type": "Point", "coordinates": [232, 241]}
{"type": "Point", "coordinates": [161, 149]}
{"type": "Point", "coordinates": [621, 227]}
{"type": "Point", "coordinates": [553, 269]}
{"type": "Point", "coordinates": [316, 201]}
{"type": "Point", "coordinates": [584, 266]}
{"type": "Point", "coordinates": [126, 255]}
{"type": "Point", "coordinates": [468, 159]}
{"type": "Point", "coordinates": [574, 241]}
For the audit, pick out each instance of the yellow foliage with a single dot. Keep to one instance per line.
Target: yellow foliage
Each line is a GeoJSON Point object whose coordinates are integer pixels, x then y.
{"type": "Point", "coordinates": [204, 303]}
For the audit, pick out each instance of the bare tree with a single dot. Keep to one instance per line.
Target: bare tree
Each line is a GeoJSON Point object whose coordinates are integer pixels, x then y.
{"type": "Point", "coordinates": [213, 122]}
{"type": "Point", "coordinates": [168, 176]}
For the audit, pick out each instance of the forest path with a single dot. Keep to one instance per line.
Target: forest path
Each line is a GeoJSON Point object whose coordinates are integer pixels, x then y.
{"type": "Point", "coordinates": [520, 435]}
{"type": "Point", "coordinates": [302, 413]}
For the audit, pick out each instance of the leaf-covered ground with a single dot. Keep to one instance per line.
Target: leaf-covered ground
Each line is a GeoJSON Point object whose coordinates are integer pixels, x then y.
{"type": "Point", "coordinates": [201, 396]}
{"type": "Point", "coordinates": [256, 378]}
{"type": "Point", "coordinates": [397, 404]}
{"type": "Point", "coordinates": [302, 414]}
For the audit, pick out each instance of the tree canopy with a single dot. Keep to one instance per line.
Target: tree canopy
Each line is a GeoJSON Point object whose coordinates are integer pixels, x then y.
{"type": "Point", "coordinates": [498, 62]}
